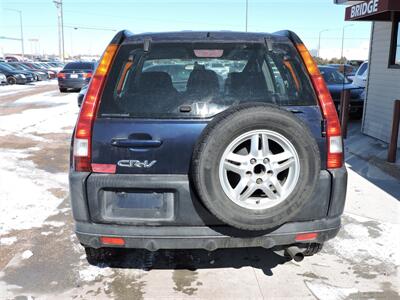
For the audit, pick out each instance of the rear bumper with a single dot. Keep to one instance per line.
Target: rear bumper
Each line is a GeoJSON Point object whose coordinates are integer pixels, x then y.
{"type": "Point", "coordinates": [72, 83]}
{"type": "Point", "coordinates": [204, 237]}
{"type": "Point", "coordinates": [191, 225]}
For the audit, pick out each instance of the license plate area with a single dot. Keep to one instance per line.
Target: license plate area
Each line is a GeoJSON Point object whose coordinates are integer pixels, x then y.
{"type": "Point", "coordinates": [73, 76]}
{"type": "Point", "coordinates": [129, 206]}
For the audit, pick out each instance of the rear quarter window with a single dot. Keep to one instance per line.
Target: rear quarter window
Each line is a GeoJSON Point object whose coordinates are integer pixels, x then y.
{"type": "Point", "coordinates": [172, 81]}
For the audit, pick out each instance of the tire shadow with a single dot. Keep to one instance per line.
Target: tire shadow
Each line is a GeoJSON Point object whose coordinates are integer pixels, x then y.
{"type": "Point", "coordinates": [194, 259]}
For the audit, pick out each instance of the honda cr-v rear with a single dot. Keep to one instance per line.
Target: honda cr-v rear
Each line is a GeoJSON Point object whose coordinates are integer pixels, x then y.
{"type": "Point", "coordinates": [207, 140]}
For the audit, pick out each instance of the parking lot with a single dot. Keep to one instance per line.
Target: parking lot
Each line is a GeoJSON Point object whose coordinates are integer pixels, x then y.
{"type": "Point", "coordinates": [41, 258]}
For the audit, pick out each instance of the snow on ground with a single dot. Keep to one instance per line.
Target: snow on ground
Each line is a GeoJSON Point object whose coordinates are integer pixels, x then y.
{"type": "Point", "coordinates": [26, 200]}
{"type": "Point", "coordinates": [16, 88]}
{"type": "Point", "coordinates": [53, 119]}
{"type": "Point", "coordinates": [8, 241]}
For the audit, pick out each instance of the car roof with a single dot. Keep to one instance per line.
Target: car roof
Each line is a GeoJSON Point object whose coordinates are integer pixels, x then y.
{"type": "Point", "coordinates": [211, 36]}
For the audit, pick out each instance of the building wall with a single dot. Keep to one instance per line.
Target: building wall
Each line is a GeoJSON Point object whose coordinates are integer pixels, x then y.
{"type": "Point", "coordinates": [383, 85]}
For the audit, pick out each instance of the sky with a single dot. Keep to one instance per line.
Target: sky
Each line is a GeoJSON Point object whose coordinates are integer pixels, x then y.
{"type": "Point", "coordinates": [89, 25]}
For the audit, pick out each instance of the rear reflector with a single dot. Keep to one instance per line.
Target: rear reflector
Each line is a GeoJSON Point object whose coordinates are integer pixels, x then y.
{"type": "Point", "coordinates": [333, 130]}
{"type": "Point", "coordinates": [306, 236]}
{"type": "Point", "coordinates": [87, 115]}
{"type": "Point", "coordinates": [104, 168]}
{"type": "Point", "coordinates": [107, 240]}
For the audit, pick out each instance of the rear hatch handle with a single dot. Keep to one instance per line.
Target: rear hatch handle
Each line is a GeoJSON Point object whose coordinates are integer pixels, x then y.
{"type": "Point", "coordinates": [129, 143]}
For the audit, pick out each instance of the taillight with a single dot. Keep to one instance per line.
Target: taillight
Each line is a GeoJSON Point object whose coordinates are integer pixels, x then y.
{"type": "Point", "coordinates": [87, 115]}
{"type": "Point", "coordinates": [60, 75]}
{"type": "Point", "coordinates": [87, 75]}
{"type": "Point", "coordinates": [333, 131]}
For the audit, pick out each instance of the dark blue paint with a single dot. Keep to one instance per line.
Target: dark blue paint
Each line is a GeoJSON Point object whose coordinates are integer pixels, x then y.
{"type": "Point", "coordinates": [178, 138]}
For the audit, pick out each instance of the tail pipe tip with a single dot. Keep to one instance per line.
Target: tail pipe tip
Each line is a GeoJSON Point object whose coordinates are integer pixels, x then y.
{"type": "Point", "coordinates": [295, 253]}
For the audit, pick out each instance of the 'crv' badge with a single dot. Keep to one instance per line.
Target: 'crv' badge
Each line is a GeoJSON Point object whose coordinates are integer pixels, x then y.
{"type": "Point", "coordinates": [136, 163]}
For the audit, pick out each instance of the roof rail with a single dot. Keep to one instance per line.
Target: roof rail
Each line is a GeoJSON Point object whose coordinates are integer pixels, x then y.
{"type": "Point", "coordinates": [121, 36]}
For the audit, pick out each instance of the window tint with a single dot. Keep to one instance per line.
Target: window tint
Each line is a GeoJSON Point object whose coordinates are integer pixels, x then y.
{"type": "Point", "coordinates": [79, 65]}
{"type": "Point", "coordinates": [362, 69]}
{"type": "Point", "coordinates": [332, 76]}
{"type": "Point", "coordinates": [171, 81]}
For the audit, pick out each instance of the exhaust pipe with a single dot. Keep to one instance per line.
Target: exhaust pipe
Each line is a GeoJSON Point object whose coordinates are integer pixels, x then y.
{"type": "Point", "coordinates": [295, 253]}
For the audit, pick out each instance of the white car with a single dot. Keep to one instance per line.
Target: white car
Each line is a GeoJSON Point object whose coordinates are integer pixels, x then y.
{"type": "Point", "coordinates": [3, 79]}
{"type": "Point", "coordinates": [360, 79]}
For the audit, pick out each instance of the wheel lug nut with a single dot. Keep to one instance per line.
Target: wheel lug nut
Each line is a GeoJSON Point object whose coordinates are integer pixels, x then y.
{"type": "Point", "coordinates": [259, 181]}
{"type": "Point", "coordinates": [266, 160]}
{"type": "Point", "coordinates": [253, 161]}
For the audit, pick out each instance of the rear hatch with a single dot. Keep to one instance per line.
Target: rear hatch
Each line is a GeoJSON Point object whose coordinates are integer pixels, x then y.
{"type": "Point", "coordinates": [157, 99]}
{"type": "Point", "coordinates": [151, 115]}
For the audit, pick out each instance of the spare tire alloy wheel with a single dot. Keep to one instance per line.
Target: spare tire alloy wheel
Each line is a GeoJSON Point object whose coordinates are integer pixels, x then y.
{"type": "Point", "coordinates": [260, 179]}
{"type": "Point", "coordinates": [255, 166]}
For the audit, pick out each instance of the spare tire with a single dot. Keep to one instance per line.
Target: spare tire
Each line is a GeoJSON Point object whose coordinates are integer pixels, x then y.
{"type": "Point", "coordinates": [255, 165]}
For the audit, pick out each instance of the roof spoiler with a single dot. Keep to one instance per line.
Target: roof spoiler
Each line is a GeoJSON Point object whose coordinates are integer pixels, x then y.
{"type": "Point", "coordinates": [291, 35]}
{"type": "Point", "coordinates": [120, 37]}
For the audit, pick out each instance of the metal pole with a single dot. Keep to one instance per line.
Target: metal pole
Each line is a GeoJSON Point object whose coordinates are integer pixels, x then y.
{"type": "Point", "coordinates": [342, 51]}
{"type": "Point", "coordinates": [62, 32]}
{"type": "Point", "coordinates": [22, 33]}
{"type": "Point", "coordinates": [247, 12]}
{"type": "Point", "coordinates": [58, 4]}
{"type": "Point", "coordinates": [395, 132]}
{"type": "Point", "coordinates": [21, 29]}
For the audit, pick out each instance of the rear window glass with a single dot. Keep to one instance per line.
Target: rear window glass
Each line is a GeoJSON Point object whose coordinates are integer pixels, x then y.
{"type": "Point", "coordinates": [201, 80]}
{"type": "Point", "coordinates": [79, 66]}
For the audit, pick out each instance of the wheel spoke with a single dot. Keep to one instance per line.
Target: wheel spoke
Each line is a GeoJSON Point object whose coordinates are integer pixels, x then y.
{"type": "Point", "coordinates": [277, 185]}
{"type": "Point", "coordinates": [265, 145]}
{"type": "Point", "coordinates": [281, 156]}
{"type": "Point", "coordinates": [285, 165]}
{"type": "Point", "coordinates": [232, 167]}
{"type": "Point", "coordinates": [255, 139]}
{"type": "Point", "coordinates": [237, 158]}
{"type": "Point", "coordinates": [247, 193]}
{"type": "Point", "coordinates": [270, 194]}
{"type": "Point", "coordinates": [240, 187]}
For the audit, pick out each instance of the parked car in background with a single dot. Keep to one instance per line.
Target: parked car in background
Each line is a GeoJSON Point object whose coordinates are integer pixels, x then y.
{"type": "Point", "coordinates": [336, 83]}
{"type": "Point", "coordinates": [57, 67]}
{"type": "Point", "coordinates": [82, 94]}
{"type": "Point", "coordinates": [39, 75]}
{"type": "Point", "coordinates": [38, 67]}
{"type": "Point", "coordinates": [356, 63]}
{"type": "Point", "coordinates": [347, 70]}
{"type": "Point", "coordinates": [75, 75]}
{"type": "Point", "coordinates": [3, 79]}
{"type": "Point", "coordinates": [15, 76]}
{"type": "Point", "coordinates": [360, 79]}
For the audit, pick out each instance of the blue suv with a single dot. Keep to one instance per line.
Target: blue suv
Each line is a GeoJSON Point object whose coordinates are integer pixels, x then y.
{"type": "Point", "coordinates": [207, 140]}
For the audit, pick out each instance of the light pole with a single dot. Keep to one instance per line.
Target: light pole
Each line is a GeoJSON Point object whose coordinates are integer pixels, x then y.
{"type": "Point", "coordinates": [22, 31]}
{"type": "Point", "coordinates": [344, 27]}
{"type": "Point", "coordinates": [247, 12]}
{"type": "Point", "coordinates": [58, 4]}
{"type": "Point", "coordinates": [319, 41]}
